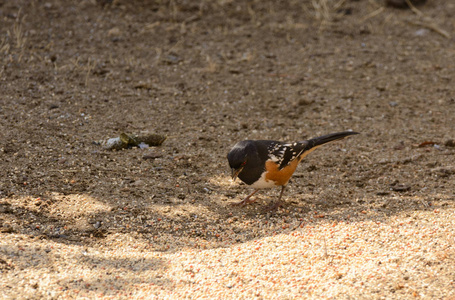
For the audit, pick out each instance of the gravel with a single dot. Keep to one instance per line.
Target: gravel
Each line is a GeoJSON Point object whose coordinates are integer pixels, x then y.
{"type": "Point", "coordinates": [371, 255]}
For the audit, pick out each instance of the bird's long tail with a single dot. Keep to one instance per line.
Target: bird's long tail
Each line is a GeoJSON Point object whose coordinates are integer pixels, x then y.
{"type": "Point", "coordinates": [315, 142]}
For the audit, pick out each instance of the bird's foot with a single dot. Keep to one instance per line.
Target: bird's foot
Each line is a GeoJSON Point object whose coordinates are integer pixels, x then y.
{"type": "Point", "coordinates": [273, 207]}
{"type": "Point", "coordinates": [247, 200]}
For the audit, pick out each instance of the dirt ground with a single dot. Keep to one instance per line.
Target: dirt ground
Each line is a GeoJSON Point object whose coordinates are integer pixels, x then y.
{"type": "Point", "coordinates": [207, 74]}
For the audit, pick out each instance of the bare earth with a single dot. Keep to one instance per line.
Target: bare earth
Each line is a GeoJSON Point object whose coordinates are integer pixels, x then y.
{"type": "Point", "coordinates": [369, 217]}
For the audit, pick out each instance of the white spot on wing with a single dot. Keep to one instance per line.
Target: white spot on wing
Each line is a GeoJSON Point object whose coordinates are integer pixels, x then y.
{"type": "Point", "coordinates": [274, 158]}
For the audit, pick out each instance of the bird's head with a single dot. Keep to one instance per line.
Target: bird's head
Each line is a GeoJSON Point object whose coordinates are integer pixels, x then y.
{"type": "Point", "coordinates": [238, 157]}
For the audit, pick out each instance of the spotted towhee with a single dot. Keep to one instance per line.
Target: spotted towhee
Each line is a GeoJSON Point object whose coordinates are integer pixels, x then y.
{"type": "Point", "coordinates": [265, 164]}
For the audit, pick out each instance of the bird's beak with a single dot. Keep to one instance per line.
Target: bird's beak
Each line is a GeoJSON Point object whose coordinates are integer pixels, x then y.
{"type": "Point", "coordinates": [236, 172]}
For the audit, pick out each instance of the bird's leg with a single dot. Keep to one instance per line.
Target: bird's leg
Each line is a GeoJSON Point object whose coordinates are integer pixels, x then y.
{"type": "Point", "coordinates": [247, 199]}
{"type": "Point", "coordinates": [274, 206]}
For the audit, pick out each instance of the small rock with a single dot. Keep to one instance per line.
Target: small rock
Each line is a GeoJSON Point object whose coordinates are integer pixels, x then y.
{"type": "Point", "coordinates": [304, 102]}
{"type": "Point", "coordinates": [113, 32]}
{"type": "Point", "coordinates": [97, 224]}
{"type": "Point", "coordinates": [114, 144]}
{"type": "Point", "coordinates": [151, 139]}
{"type": "Point", "coordinates": [138, 182]}
{"type": "Point", "coordinates": [152, 155]}
{"type": "Point", "coordinates": [132, 140]}
{"type": "Point", "coordinates": [381, 88]}
{"type": "Point", "coordinates": [450, 143]}
{"type": "Point", "coordinates": [399, 146]}
{"type": "Point", "coordinates": [382, 193]}
{"type": "Point", "coordinates": [143, 145]}
{"type": "Point", "coordinates": [172, 59]}
{"type": "Point", "coordinates": [148, 85]}
{"type": "Point", "coordinates": [421, 32]}
{"type": "Point", "coordinates": [400, 188]}
{"type": "Point", "coordinates": [393, 103]}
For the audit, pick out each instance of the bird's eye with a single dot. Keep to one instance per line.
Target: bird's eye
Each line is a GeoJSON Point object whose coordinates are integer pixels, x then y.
{"type": "Point", "coordinates": [244, 163]}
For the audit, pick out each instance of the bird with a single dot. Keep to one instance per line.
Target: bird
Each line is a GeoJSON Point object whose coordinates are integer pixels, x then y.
{"type": "Point", "coordinates": [268, 163]}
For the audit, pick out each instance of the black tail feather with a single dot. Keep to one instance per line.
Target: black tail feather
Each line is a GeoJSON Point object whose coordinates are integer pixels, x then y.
{"type": "Point", "coordinates": [314, 142]}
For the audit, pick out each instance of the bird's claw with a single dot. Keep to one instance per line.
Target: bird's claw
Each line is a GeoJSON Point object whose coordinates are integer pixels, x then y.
{"type": "Point", "coordinates": [273, 207]}
{"type": "Point", "coordinates": [244, 202]}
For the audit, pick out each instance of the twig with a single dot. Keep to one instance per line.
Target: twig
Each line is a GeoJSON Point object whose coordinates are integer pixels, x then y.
{"type": "Point", "coordinates": [414, 9]}
{"type": "Point", "coordinates": [301, 222]}
{"type": "Point", "coordinates": [429, 23]}
{"type": "Point", "coordinates": [37, 56]}
{"type": "Point", "coordinates": [339, 4]}
{"type": "Point", "coordinates": [4, 46]}
{"type": "Point", "coordinates": [89, 69]}
{"type": "Point", "coordinates": [431, 26]}
{"type": "Point", "coordinates": [372, 14]}
{"type": "Point", "coordinates": [18, 32]}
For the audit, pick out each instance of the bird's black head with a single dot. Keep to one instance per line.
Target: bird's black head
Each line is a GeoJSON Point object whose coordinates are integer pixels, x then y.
{"type": "Point", "coordinates": [239, 155]}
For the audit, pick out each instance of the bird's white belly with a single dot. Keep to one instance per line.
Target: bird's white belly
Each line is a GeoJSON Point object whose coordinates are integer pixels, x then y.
{"type": "Point", "coordinates": [262, 183]}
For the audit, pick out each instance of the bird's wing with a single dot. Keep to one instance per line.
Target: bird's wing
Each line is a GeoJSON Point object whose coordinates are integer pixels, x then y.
{"type": "Point", "coordinates": [284, 153]}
